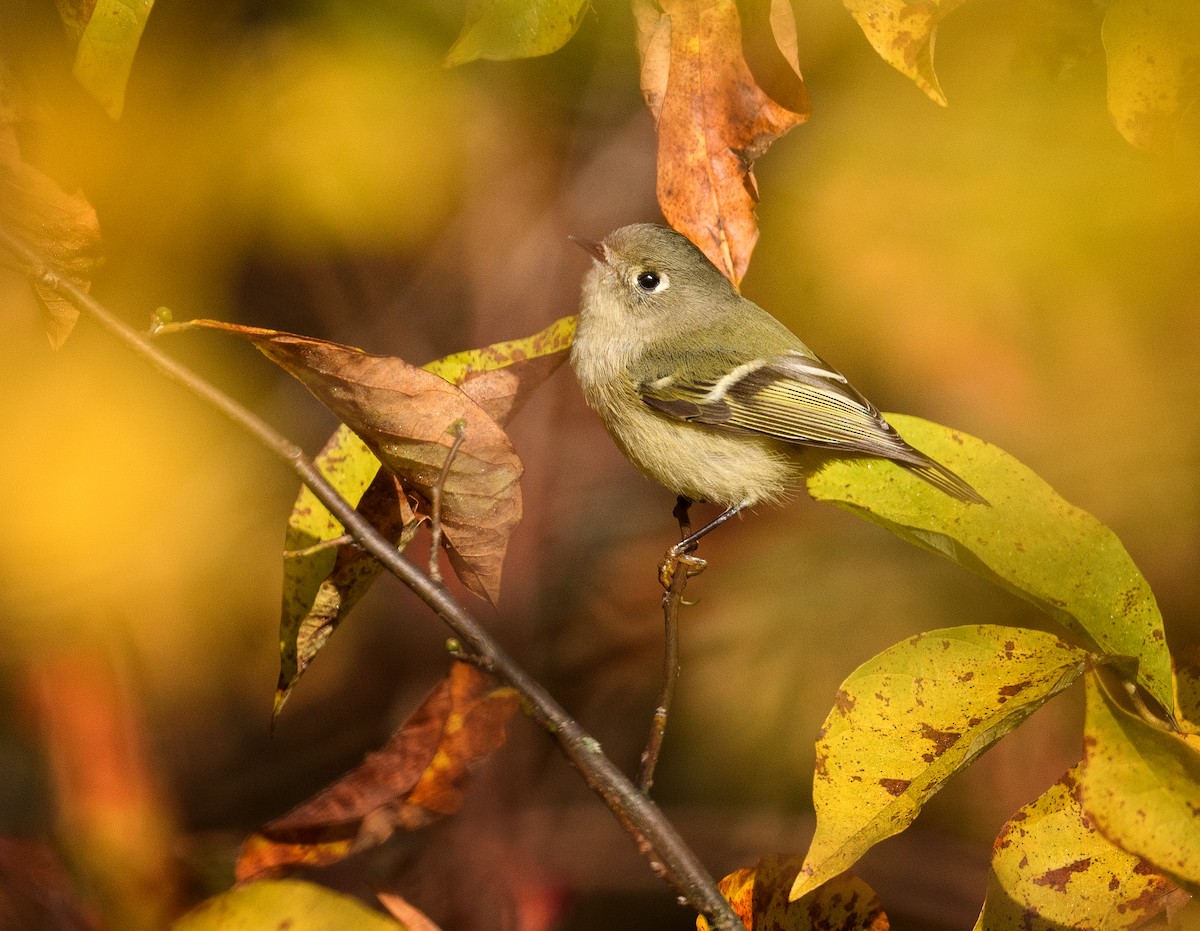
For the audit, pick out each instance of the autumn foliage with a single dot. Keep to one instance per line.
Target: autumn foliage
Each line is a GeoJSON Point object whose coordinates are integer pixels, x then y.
{"type": "Point", "coordinates": [427, 449]}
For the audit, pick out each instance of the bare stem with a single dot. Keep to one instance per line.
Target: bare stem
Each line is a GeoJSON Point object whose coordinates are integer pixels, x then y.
{"type": "Point", "coordinates": [672, 599]}
{"type": "Point", "coordinates": [654, 835]}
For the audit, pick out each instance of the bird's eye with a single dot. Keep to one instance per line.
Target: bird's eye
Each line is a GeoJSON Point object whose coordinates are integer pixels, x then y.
{"type": "Point", "coordinates": [651, 282]}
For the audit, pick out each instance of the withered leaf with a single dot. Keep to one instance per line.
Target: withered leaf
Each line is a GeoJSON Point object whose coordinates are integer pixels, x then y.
{"type": "Point", "coordinates": [415, 779]}
{"type": "Point", "coordinates": [62, 228]}
{"type": "Point", "coordinates": [759, 896]}
{"type": "Point", "coordinates": [500, 377]}
{"type": "Point", "coordinates": [322, 584]}
{"type": "Point", "coordinates": [713, 117]}
{"type": "Point", "coordinates": [404, 414]}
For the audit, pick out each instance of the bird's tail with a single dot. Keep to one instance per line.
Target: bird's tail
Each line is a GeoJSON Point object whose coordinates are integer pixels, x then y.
{"type": "Point", "coordinates": [943, 479]}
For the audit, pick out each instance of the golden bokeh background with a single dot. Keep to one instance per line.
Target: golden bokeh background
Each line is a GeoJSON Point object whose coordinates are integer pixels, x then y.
{"type": "Point", "coordinates": [1008, 265]}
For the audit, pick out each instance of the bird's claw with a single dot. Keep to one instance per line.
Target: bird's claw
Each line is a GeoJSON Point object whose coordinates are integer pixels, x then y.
{"type": "Point", "coordinates": [673, 560]}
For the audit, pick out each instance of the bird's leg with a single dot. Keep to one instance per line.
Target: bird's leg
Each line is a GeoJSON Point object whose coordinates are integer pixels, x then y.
{"type": "Point", "coordinates": [688, 544]}
{"type": "Point", "coordinates": [682, 551]}
{"type": "Point", "coordinates": [683, 506]}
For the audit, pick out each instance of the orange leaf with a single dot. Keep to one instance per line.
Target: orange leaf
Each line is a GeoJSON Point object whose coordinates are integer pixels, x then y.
{"type": "Point", "coordinates": [759, 896]}
{"type": "Point", "coordinates": [713, 114]}
{"type": "Point", "coordinates": [404, 414]}
{"type": "Point", "coordinates": [414, 780]}
{"type": "Point", "coordinates": [60, 227]}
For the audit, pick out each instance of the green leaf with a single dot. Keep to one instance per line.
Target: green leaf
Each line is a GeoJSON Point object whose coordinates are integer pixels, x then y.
{"type": "Point", "coordinates": [107, 44]}
{"type": "Point", "coordinates": [1141, 785]}
{"type": "Point", "coordinates": [1029, 541]}
{"type": "Point", "coordinates": [323, 581]}
{"type": "Point", "coordinates": [504, 29]}
{"type": "Point", "coordinates": [1052, 870]}
{"type": "Point", "coordinates": [903, 33]}
{"type": "Point", "coordinates": [910, 718]}
{"type": "Point", "coordinates": [284, 903]}
{"type": "Point", "coordinates": [1153, 52]}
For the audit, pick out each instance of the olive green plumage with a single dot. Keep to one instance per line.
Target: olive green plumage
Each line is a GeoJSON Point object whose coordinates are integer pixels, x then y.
{"type": "Point", "coordinates": [706, 392]}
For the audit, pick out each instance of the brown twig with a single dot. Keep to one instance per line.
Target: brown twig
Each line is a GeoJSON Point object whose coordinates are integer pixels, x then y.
{"type": "Point", "coordinates": [655, 836]}
{"type": "Point", "coordinates": [459, 430]}
{"type": "Point", "coordinates": [672, 599]}
{"type": "Point", "coordinates": [318, 547]}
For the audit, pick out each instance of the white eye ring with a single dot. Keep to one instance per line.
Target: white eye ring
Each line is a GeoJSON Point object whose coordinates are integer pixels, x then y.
{"type": "Point", "coordinates": [651, 282]}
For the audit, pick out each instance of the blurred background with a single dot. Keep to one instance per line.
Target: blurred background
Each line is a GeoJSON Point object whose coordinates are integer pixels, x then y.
{"type": "Point", "coordinates": [1009, 266]}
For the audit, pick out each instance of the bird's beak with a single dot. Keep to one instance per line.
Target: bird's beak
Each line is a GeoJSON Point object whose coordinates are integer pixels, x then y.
{"type": "Point", "coordinates": [594, 249]}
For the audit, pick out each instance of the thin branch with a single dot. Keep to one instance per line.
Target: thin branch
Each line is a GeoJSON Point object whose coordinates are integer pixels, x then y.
{"type": "Point", "coordinates": [672, 599]}
{"type": "Point", "coordinates": [654, 835]}
{"type": "Point", "coordinates": [459, 430]}
{"type": "Point", "coordinates": [318, 547]}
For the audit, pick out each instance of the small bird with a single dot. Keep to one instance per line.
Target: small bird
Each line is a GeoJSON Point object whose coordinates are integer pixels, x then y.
{"type": "Point", "coordinates": [707, 393]}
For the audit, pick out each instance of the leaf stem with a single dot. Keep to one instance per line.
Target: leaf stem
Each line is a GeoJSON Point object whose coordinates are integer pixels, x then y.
{"type": "Point", "coordinates": [655, 836]}
{"type": "Point", "coordinates": [459, 431]}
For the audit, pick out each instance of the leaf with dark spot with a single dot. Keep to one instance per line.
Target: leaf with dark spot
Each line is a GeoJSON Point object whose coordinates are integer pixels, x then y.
{"type": "Point", "coordinates": [759, 896]}
{"type": "Point", "coordinates": [1141, 786]}
{"type": "Point", "coordinates": [1051, 868]}
{"type": "Point", "coordinates": [1069, 564]}
{"type": "Point", "coordinates": [909, 721]}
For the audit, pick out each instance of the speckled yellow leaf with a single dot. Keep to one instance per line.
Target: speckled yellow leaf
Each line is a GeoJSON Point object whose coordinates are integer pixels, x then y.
{"type": "Point", "coordinates": [1030, 541]}
{"type": "Point", "coordinates": [903, 33]}
{"type": "Point", "coordinates": [1053, 871]}
{"type": "Point", "coordinates": [910, 718]}
{"type": "Point", "coordinates": [1141, 786]}
{"type": "Point", "coordinates": [1153, 53]}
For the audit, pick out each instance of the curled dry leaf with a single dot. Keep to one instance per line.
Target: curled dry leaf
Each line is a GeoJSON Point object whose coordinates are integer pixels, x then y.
{"type": "Point", "coordinates": [60, 227]}
{"type": "Point", "coordinates": [415, 779]}
{"type": "Point", "coordinates": [323, 583]}
{"type": "Point", "coordinates": [716, 112]}
{"type": "Point", "coordinates": [404, 414]}
{"type": "Point", "coordinates": [759, 896]}
{"type": "Point", "coordinates": [408, 915]}
{"type": "Point", "coordinates": [903, 33]}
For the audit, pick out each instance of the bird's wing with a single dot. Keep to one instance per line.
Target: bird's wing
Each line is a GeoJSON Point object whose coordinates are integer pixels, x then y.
{"type": "Point", "coordinates": [792, 397]}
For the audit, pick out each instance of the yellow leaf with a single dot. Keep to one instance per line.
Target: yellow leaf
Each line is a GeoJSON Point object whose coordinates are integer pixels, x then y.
{"type": "Point", "coordinates": [903, 33]}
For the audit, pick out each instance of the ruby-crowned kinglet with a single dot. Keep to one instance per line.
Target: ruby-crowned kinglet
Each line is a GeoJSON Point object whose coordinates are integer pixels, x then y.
{"type": "Point", "coordinates": [706, 392]}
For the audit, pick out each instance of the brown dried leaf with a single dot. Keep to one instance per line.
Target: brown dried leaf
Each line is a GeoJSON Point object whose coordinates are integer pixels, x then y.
{"type": "Point", "coordinates": [321, 585]}
{"type": "Point", "coordinates": [60, 227]}
{"type": "Point", "coordinates": [714, 117]}
{"type": "Point", "coordinates": [500, 377]}
{"type": "Point", "coordinates": [404, 414]}
{"type": "Point", "coordinates": [759, 896]}
{"type": "Point", "coordinates": [415, 779]}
